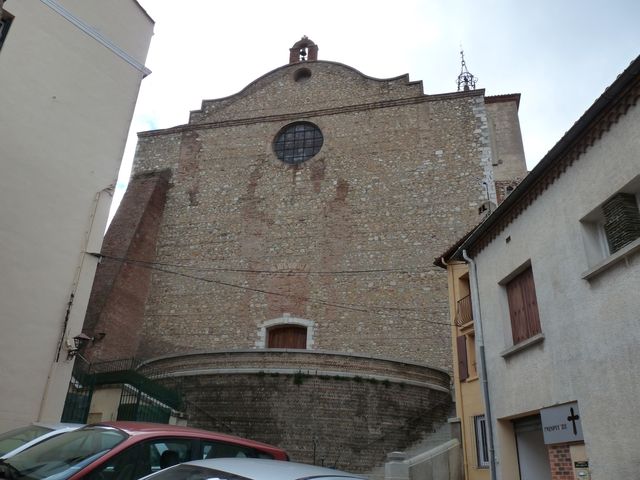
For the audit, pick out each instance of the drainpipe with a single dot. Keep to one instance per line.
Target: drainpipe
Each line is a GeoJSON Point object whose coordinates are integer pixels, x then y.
{"type": "Point", "coordinates": [475, 303]}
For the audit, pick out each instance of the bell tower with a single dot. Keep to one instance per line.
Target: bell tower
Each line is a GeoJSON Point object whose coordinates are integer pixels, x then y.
{"type": "Point", "coordinates": [303, 50]}
{"type": "Point", "coordinates": [466, 80]}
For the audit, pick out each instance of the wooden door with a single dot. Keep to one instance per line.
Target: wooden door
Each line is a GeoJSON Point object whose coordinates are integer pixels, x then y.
{"type": "Point", "coordinates": [287, 336]}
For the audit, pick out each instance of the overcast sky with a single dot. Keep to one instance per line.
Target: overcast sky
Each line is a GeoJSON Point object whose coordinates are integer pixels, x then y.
{"type": "Point", "coordinates": [559, 54]}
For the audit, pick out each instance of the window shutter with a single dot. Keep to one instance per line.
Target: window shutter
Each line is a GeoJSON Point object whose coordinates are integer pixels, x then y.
{"type": "Point", "coordinates": [532, 319]}
{"type": "Point", "coordinates": [523, 307]}
{"type": "Point", "coordinates": [463, 367]}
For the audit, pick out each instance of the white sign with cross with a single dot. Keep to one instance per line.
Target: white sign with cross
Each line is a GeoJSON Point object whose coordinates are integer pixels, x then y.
{"type": "Point", "coordinates": [561, 424]}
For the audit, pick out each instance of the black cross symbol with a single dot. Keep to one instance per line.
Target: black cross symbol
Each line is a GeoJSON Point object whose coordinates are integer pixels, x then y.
{"type": "Point", "coordinates": [572, 418]}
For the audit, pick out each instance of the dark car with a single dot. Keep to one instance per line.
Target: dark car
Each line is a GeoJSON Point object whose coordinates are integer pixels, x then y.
{"type": "Point", "coordinates": [126, 451]}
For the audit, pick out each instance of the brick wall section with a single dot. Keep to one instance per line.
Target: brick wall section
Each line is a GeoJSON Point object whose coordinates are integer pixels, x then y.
{"type": "Point", "coordinates": [560, 461]}
{"type": "Point", "coordinates": [120, 288]}
{"type": "Point", "coordinates": [349, 424]}
{"type": "Point", "coordinates": [504, 189]}
{"type": "Point", "coordinates": [622, 220]}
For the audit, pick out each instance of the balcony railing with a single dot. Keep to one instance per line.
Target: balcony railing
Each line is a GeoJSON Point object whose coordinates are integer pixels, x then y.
{"type": "Point", "coordinates": [464, 312]}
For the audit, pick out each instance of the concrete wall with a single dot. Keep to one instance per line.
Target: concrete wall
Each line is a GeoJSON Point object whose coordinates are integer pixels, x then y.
{"type": "Point", "coordinates": [589, 324]}
{"type": "Point", "coordinates": [67, 102]}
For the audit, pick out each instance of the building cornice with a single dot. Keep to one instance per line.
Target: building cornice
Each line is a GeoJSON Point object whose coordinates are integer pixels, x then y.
{"type": "Point", "coordinates": [97, 36]}
{"type": "Point", "coordinates": [284, 117]}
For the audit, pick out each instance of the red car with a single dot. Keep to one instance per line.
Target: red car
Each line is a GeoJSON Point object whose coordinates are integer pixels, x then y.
{"type": "Point", "coordinates": [126, 451]}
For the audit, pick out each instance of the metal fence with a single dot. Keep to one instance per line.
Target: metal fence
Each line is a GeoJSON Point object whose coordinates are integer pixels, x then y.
{"type": "Point", "coordinates": [141, 398]}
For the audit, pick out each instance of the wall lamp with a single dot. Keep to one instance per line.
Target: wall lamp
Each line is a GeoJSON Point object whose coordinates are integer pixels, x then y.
{"type": "Point", "coordinates": [79, 341]}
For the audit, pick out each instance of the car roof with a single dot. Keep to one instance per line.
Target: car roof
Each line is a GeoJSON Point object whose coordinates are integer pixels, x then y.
{"type": "Point", "coordinates": [158, 429]}
{"type": "Point", "coordinates": [272, 469]}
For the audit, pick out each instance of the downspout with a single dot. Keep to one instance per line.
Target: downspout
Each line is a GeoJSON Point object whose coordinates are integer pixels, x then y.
{"type": "Point", "coordinates": [475, 303]}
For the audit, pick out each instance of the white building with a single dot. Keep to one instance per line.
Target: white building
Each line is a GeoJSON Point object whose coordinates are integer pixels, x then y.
{"type": "Point", "coordinates": [556, 280]}
{"type": "Point", "coordinates": [70, 71]}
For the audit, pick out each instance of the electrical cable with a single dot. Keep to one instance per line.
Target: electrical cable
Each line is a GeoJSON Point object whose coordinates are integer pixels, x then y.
{"type": "Point", "coordinates": [358, 308]}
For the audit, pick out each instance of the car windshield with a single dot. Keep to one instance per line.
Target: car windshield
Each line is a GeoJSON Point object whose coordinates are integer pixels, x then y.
{"type": "Point", "coordinates": [193, 472]}
{"type": "Point", "coordinates": [16, 438]}
{"type": "Point", "coordinates": [62, 456]}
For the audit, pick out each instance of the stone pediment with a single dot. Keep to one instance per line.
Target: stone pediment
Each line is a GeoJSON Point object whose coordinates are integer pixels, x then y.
{"type": "Point", "coordinates": [305, 87]}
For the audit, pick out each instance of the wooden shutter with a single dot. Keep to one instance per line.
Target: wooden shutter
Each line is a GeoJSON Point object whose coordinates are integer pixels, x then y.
{"type": "Point", "coordinates": [523, 307]}
{"type": "Point", "coordinates": [463, 366]}
{"type": "Point", "coordinates": [287, 336]}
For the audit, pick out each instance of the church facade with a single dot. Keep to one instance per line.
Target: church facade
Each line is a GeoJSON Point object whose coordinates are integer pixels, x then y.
{"type": "Point", "coordinates": [272, 258]}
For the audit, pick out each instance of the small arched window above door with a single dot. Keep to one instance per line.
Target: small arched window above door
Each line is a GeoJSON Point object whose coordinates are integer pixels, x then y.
{"type": "Point", "coordinates": [287, 336]}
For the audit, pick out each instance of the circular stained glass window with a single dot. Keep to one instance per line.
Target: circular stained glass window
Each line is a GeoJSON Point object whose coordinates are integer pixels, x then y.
{"type": "Point", "coordinates": [298, 142]}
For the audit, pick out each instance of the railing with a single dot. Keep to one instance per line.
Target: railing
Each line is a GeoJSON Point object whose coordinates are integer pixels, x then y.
{"type": "Point", "coordinates": [142, 398]}
{"type": "Point", "coordinates": [464, 312]}
{"type": "Point", "coordinates": [114, 365]}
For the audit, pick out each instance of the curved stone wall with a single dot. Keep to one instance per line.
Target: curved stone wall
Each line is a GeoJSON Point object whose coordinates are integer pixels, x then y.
{"type": "Point", "coordinates": [335, 409]}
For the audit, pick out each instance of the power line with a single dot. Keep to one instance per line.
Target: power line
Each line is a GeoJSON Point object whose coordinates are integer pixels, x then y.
{"type": "Point", "coordinates": [266, 272]}
{"type": "Point", "coordinates": [357, 308]}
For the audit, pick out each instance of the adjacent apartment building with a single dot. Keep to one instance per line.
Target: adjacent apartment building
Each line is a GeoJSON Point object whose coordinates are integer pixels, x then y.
{"type": "Point", "coordinates": [70, 71]}
{"type": "Point", "coordinates": [554, 275]}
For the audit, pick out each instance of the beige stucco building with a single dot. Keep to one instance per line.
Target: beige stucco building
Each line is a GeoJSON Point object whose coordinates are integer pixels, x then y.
{"type": "Point", "coordinates": [70, 71]}
{"type": "Point", "coordinates": [556, 269]}
{"type": "Point", "coordinates": [470, 412]}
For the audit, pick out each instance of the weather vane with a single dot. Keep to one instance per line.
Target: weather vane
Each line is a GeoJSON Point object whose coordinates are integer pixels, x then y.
{"type": "Point", "coordinates": [466, 80]}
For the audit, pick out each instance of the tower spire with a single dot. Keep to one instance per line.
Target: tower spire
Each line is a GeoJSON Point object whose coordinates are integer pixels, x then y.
{"type": "Point", "coordinates": [466, 80]}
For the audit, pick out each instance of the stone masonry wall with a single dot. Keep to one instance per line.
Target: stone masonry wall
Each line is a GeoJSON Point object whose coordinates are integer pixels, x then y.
{"type": "Point", "coordinates": [330, 86]}
{"type": "Point", "coordinates": [506, 139]}
{"type": "Point", "coordinates": [343, 240]}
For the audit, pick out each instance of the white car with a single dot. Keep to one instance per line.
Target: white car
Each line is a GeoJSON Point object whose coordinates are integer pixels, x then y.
{"type": "Point", "coordinates": [20, 439]}
{"type": "Point", "coordinates": [249, 469]}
